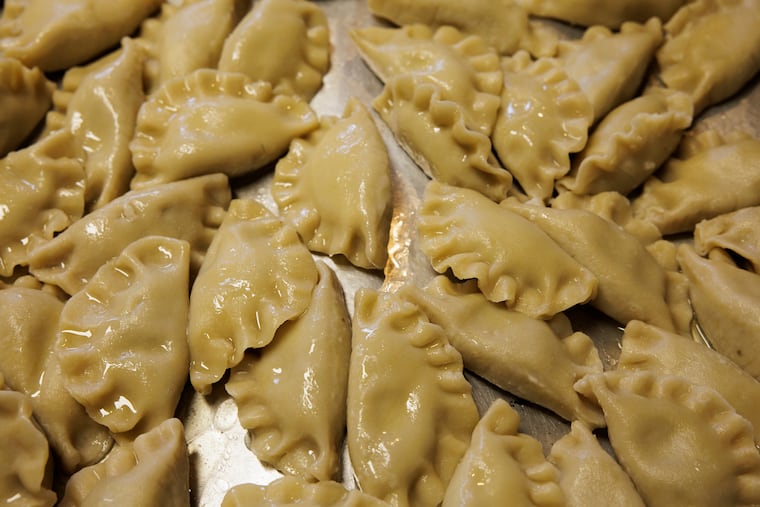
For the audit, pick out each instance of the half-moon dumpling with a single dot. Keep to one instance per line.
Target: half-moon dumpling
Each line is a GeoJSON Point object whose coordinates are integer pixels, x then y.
{"type": "Point", "coordinates": [632, 285]}
{"type": "Point", "coordinates": [512, 259]}
{"type": "Point", "coordinates": [25, 96]}
{"type": "Point", "coordinates": [704, 183]}
{"type": "Point", "coordinates": [55, 37]}
{"type": "Point", "coordinates": [504, 25]}
{"type": "Point", "coordinates": [257, 275]}
{"type": "Point", "coordinates": [503, 464]}
{"type": "Point", "coordinates": [588, 475]}
{"type": "Point", "coordinates": [609, 67]}
{"type": "Point", "coordinates": [725, 301]}
{"type": "Point", "coordinates": [28, 332]}
{"type": "Point", "coordinates": [517, 353]}
{"type": "Point", "coordinates": [211, 121]}
{"type": "Point", "coordinates": [602, 12]}
{"type": "Point", "coordinates": [334, 186]}
{"type": "Point", "coordinates": [291, 491]}
{"type": "Point", "coordinates": [682, 444]}
{"type": "Point", "coordinates": [731, 234]}
{"type": "Point", "coordinates": [190, 210]}
{"type": "Point", "coordinates": [631, 142]}
{"type": "Point", "coordinates": [152, 471]}
{"type": "Point", "coordinates": [306, 364]}
{"type": "Point", "coordinates": [122, 340]}
{"type": "Point", "coordinates": [410, 409]}
{"type": "Point", "coordinates": [284, 42]}
{"type": "Point", "coordinates": [463, 67]}
{"type": "Point", "coordinates": [649, 348]}
{"type": "Point", "coordinates": [41, 193]}
{"type": "Point", "coordinates": [544, 117]}
{"type": "Point", "coordinates": [25, 466]}
{"type": "Point", "coordinates": [691, 61]}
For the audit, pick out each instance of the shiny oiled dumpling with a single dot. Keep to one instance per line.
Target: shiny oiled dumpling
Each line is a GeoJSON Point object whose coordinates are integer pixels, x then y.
{"type": "Point", "coordinates": [544, 117]}
{"type": "Point", "coordinates": [190, 210]}
{"type": "Point", "coordinates": [632, 285]}
{"type": "Point", "coordinates": [681, 443]}
{"type": "Point", "coordinates": [334, 186]}
{"type": "Point", "coordinates": [649, 348]}
{"type": "Point", "coordinates": [28, 332]}
{"type": "Point", "coordinates": [503, 464]}
{"type": "Point", "coordinates": [609, 67]}
{"type": "Point", "coordinates": [101, 113]}
{"type": "Point", "coordinates": [512, 259]}
{"type": "Point", "coordinates": [291, 491]}
{"type": "Point", "coordinates": [463, 67]}
{"type": "Point", "coordinates": [731, 234]}
{"type": "Point", "coordinates": [602, 12]}
{"type": "Point", "coordinates": [710, 177]}
{"type": "Point", "coordinates": [25, 96]}
{"type": "Point", "coordinates": [25, 469]}
{"type": "Point", "coordinates": [631, 142]}
{"type": "Point", "coordinates": [55, 37]}
{"type": "Point", "coordinates": [588, 475]}
{"type": "Point", "coordinates": [257, 275]}
{"type": "Point", "coordinates": [306, 364]}
{"type": "Point", "coordinates": [41, 193]}
{"type": "Point", "coordinates": [285, 42]}
{"type": "Point", "coordinates": [122, 341]}
{"type": "Point", "coordinates": [517, 353]}
{"type": "Point", "coordinates": [690, 60]}
{"type": "Point", "coordinates": [211, 121]}
{"type": "Point", "coordinates": [173, 39]}
{"type": "Point", "coordinates": [434, 133]}
{"type": "Point", "coordinates": [153, 470]}
{"type": "Point", "coordinates": [504, 25]}
{"type": "Point", "coordinates": [725, 301]}
{"type": "Point", "coordinates": [410, 409]}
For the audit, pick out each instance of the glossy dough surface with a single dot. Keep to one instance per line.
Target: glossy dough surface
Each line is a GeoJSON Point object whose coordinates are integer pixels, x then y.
{"type": "Point", "coordinates": [173, 139]}
{"type": "Point", "coordinates": [512, 259]}
{"type": "Point", "coordinates": [122, 341]}
{"type": "Point", "coordinates": [257, 275]}
{"type": "Point", "coordinates": [334, 186]}
{"type": "Point", "coordinates": [410, 409]}
{"type": "Point", "coordinates": [190, 210]}
{"type": "Point", "coordinates": [735, 233]}
{"type": "Point", "coordinates": [602, 12]}
{"type": "Point", "coordinates": [290, 491]}
{"type": "Point", "coordinates": [502, 463]}
{"type": "Point", "coordinates": [306, 364]}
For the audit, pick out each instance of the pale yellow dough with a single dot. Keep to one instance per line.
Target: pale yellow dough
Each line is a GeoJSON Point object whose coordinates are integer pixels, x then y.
{"type": "Point", "coordinates": [517, 353]}
{"type": "Point", "coordinates": [202, 123]}
{"type": "Point", "coordinates": [334, 186]}
{"type": "Point", "coordinates": [736, 233]}
{"type": "Point", "coordinates": [257, 275]}
{"type": "Point", "coordinates": [602, 12]}
{"type": "Point", "coordinates": [609, 67]}
{"type": "Point", "coordinates": [291, 491]}
{"type": "Point", "coordinates": [41, 193]}
{"type": "Point", "coordinates": [682, 444]}
{"type": "Point", "coordinates": [307, 365]}
{"type": "Point", "coordinates": [25, 465]}
{"type": "Point", "coordinates": [588, 475]}
{"type": "Point", "coordinates": [122, 340]}
{"type": "Point", "coordinates": [690, 60]}
{"type": "Point", "coordinates": [29, 326]}
{"type": "Point", "coordinates": [725, 301]}
{"type": "Point", "coordinates": [410, 409]}
{"type": "Point", "coordinates": [284, 42]}
{"type": "Point", "coordinates": [648, 348]}
{"type": "Point", "coordinates": [512, 259]}
{"type": "Point", "coordinates": [503, 464]}
{"type": "Point", "coordinates": [190, 210]}
{"type": "Point", "coordinates": [57, 35]}
{"type": "Point", "coordinates": [152, 471]}
{"type": "Point", "coordinates": [25, 96]}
